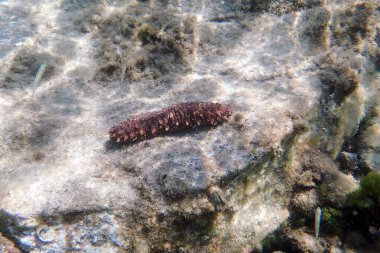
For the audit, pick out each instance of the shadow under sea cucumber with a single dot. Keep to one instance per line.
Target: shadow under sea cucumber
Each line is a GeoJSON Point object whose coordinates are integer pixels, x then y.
{"type": "Point", "coordinates": [174, 118]}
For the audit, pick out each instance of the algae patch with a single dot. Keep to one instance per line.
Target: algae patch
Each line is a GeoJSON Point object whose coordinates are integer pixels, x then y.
{"type": "Point", "coordinates": [147, 46]}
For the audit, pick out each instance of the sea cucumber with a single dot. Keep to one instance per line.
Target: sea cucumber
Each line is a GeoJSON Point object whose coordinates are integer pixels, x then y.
{"type": "Point", "coordinates": [173, 118]}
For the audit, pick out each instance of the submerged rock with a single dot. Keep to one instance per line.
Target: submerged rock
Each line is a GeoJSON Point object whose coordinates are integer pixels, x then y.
{"type": "Point", "coordinates": [300, 241]}
{"type": "Point", "coordinates": [305, 202]}
{"type": "Point", "coordinates": [7, 246]}
{"type": "Point", "coordinates": [296, 97]}
{"type": "Point", "coordinates": [369, 141]}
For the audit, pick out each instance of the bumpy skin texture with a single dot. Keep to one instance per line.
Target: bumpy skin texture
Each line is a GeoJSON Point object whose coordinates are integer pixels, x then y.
{"type": "Point", "coordinates": [174, 118]}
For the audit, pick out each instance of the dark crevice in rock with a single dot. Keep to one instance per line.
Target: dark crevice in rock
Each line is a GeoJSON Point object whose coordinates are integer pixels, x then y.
{"type": "Point", "coordinates": [280, 7]}
{"type": "Point", "coordinates": [353, 148]}
{"type": "Point", "coordinates": [194, 229]}
{"type": "Point", "coordinates": [71, 216]}
{"type": "Point", "coordinates": [7, 246]}
{"type": "Point", "coordinates": [10, 228]}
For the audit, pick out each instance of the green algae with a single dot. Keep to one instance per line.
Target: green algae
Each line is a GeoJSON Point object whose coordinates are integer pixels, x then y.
{"type": "Point", "coordinates": [368, 193]}
{"type": "Point", "coordinates": [332, 220]}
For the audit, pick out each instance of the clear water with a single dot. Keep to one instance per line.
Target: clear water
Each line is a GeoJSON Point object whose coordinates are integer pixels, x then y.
{"type": "Point", "coordinates": [71, 69]}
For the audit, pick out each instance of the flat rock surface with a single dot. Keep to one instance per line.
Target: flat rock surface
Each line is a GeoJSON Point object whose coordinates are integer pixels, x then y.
{"type": "Point", "coordinates": [55, 138]}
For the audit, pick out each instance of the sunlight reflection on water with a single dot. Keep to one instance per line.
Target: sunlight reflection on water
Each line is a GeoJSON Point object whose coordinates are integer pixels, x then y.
{"type": "Point", "coordinates": [14, 28]}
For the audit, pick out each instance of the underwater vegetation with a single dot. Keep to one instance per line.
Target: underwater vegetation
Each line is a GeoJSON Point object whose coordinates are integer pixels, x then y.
{"type": "Point", "coordinates": [367, 196]}
{"type": "Point", "coordinates": [361, 214]}
{"type": "Point", "coordinates": [361, 211]}
{"type": "Point", "coordinates": [332, 221]}
{"type": "Point", "coordinates": [145, 46]}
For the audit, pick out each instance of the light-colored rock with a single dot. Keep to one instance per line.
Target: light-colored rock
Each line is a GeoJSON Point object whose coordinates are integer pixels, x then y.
{"type": "Point", "coordinates": [7, 246]}
{"type": "Point", "coordinates": [305, 202]}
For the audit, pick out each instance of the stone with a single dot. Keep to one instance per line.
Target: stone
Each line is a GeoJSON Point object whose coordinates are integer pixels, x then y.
{"type": "Point", "coordinates": [301, 241]}
{"type": "Point", "coordinates": [7, 246]}
{"type": "Point", "coordinates": [369, 142]}
{"type": "Point", "coordinates": [348, 161]}
{"type": "Point", "coordinates": [305, 202]}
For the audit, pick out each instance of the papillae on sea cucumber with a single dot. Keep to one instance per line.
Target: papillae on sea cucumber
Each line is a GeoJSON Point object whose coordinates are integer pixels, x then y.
{"type": "Point", "coordinates": [177, 117]}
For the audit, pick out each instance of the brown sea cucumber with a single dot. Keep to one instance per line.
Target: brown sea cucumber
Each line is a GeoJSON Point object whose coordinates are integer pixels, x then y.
{"type": "Point", "coordinates": [173, 118]}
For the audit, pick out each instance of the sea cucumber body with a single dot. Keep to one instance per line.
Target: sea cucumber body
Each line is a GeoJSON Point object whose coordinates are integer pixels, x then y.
{"type": "Point", "coordinates": [174, 118]}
